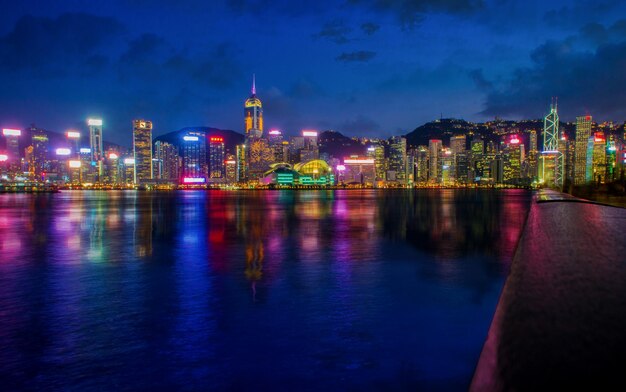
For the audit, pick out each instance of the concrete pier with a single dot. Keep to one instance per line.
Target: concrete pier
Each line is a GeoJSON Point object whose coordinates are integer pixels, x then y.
{"type": "Point", "coordinates": [560, 323]}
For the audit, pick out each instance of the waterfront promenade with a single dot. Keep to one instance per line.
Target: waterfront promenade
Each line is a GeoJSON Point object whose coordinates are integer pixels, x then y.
{"type": "Point", "coordinates": [560, 323]}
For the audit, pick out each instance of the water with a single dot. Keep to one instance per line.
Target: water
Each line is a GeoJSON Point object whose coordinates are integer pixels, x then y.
{"type": "Point", "coordinates": [287, 290]}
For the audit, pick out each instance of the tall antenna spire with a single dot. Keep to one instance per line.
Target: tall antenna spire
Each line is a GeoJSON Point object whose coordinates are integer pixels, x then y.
{"type": "Point", "coordinates": [253, 85]}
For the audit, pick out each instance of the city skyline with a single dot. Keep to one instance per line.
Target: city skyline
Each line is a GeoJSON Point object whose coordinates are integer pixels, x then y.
{"type": "Point", "coordinates": [69, 62]}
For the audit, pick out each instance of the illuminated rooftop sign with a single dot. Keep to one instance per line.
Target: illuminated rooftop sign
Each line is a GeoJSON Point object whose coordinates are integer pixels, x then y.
{"type": "Point", "coordinates": [4, 157]}
{"type": "Point", "coordinates": [94, 122]}
{"type": "Point", "coordinates": [129, 161]}
{"type": "Point", "coordinates": [113, 156]}
{"type": "Point", "coordinates": [309, 133]}
{"type": "Point", "coordinates": [341, 168]}
{"type": "Point", "coordinates": [85, 150]}
{"type": "Point", "coordinates": [371, 149]}
{"type": "Point", "coordinates": [231, 162]}
{"type": "Point", "coordinates": [275, 132]}
{"type": "Point", "coordinates": [74, 164]}
{"type": "Point", "coordinates": [358, 161]}
{"type": "Point", "coordinates": [514, 140]}
{"type": "Point", "coordinates": [193, 180]}
{"type": "Point", "coordinates": [11, 132]}
{"type": "Point", "coordinates": [63, 151]}
{"type": "Point", "coordinates": [216, 139]}
{"type": "Point", "coordinates": [73, 135]}
{"type": "Point", "coordinates": [190, 138]}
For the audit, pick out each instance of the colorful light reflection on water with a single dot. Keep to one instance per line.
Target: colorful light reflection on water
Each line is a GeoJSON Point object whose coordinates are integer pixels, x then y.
{"type": "Point", "coordinates": [230, 290]}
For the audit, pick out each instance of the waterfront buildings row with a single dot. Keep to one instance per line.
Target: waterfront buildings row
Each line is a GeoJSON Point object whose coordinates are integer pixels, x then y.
{"type": "Point", "coordinates": [197, 158]}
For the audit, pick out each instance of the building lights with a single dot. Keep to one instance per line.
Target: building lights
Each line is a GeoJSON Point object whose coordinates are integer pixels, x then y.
{"type": "Point", "coordinates": [129, 161]}
{"type": "Point", "coordinates": [94, 122]}
{"type": "Point", "coordinates": [73, 135]}
{"type": "Point", "coordinates": [190, 138]}
{"type": "Point", "coordinates": [309, 133]}
{"type": "Point", "coordinates": [63, 151]}
{"type": "Point", "coordinates": [193, 180]}
{"type": "Point", "coordinates": [85, 150]}
{"type": "Point", "coordinates": [4, 157]}
{"type": "Point", "coordinates": [75, 164]}
{"type": "Point", "coordinates": [11, 132]}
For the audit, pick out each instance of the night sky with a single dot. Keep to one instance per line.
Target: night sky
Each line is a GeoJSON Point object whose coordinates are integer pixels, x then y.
{"type": "Point", "coordinates": [362, 67]}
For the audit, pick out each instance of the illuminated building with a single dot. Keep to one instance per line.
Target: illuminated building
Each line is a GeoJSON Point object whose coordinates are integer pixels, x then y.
{"type": "Point", "coordinates": [380, 162]}
{"type": "Point", "coordinates": [611, 159]}
{"type": "Point", "coordinates": [296, 144]}
{"type": "Point", "coordinates": [231, 169]}
{"type": "Point", "coordinates": [552, 159]}
{"type": "Point", "coordinates": [446, 170]}
{"type": "Point", "coordinates": [86, 174]}
{"type": "Point", "coordinates": [496, 169]}
{"type": "Point", "coordinates": [583, 131]}
{"type": "Point", "coordinates": [242, 167]}
{"type": "Point", "coordinates": [253, 113]}
{"type": "Point", "coordinates": [14, 157]}
{"type": "Point", "coordinates": [95, 144]}
{"type": "Point", "coordinates": [477, 158]}
{"type": "Point", "coordinates": [129, 170]}
{"type": "Point", "coordinates": [513, 155]}
{"type": "Point", "coordinates": [461, 162]}
{"type": "Point", "coordinates": [397, 160]}
{"type": "Point", "coordinates": [310, 149]}
{"type": "Point", "coordinates": [111, 167]}
{"type": "Point", "coordinates": [194, 156]}
{"type": "Point", "coordinates": [217, 168]}
{"type": "Point", "coordinates": [434, 167]}
{"type": "Point", "coordinates": [598, 158]}
{"type": "Point", "coordinates": [457, 144]}
{"type": "Point", "coordinates": [167, 161]}
{"type": "Point", "coordinates": [142, 150]}
{"type": "Point", "coordinates": [421, 164]}
{"type": "Point", "coordinates": [259, 157]}
{"type": "Point", "coordinates": [314, 172]}
{"type": "Point", "coordinates": [281, 174]}
{"type": "Point", "coordinates": [39, 158]}
{"type": "Point", "coordinates": [533, 155]}
{"type": "Point", "coordinates": [359, 170]}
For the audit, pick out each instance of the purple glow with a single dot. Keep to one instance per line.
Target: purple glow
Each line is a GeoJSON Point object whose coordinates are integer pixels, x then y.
{"type": "Point", "coordinates": [193, 180]}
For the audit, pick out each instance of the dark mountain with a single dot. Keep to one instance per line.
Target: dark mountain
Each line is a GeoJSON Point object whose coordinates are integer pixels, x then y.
{"type": "Point", "coordinates": [231, 138]}
{"type": "Point", "coordinates": [339, 146]}
{"type": "Point", "coordinates": [441, 129]}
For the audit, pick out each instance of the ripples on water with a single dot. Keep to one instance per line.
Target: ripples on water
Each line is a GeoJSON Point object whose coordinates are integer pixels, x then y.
{"type": "Point", "coordinates": [300, 290]}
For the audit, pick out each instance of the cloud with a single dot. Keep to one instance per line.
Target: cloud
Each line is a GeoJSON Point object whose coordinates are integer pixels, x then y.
{"type": "Point", "coordinates": [49, 47]}
{"type": "Point", "coordinates": [305, 89]}
{"type": "Point", "coordinates": [370, 28]}
{"type": "Point", "coordinates": [591, 81]}
{"type": "Point", "coordinates": [358, 56]}
{"type": "Point", "coordinates": [479, 79]}
{"type": "Point", "coordinates": [336, 31]}
{"type": "Point", "coordinates": [411, 12]}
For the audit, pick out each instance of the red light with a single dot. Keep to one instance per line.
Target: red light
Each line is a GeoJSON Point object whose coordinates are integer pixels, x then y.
{"type": "Point", "coordinates": [514, 140]}
{"type": "Point", "coordinates": [588, 118]}
{"type": "Point", "coordinates": [216, 139]}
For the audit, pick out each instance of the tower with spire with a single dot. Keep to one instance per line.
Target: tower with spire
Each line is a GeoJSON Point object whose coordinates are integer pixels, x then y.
{"type": "Point", "coordinates": [253, 113]}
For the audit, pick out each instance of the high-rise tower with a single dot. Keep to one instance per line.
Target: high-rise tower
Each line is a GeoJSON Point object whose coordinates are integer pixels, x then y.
{"type": "Point", "coordinates": [253, 113]}
{"type": "Point", "coordinates": [142, 149]}
{"type": "Point", "coordinates": [551, 158]}
{"type": "Point", "coordinates": [583, 131]}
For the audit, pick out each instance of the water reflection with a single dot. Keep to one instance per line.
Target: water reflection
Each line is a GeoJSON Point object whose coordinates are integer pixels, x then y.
{"type": "Point", "coordinates": [329, 279]}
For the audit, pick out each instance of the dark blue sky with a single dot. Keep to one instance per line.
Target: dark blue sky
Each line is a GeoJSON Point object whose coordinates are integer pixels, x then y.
{"type": "Point", "coordinates": [363, 67]}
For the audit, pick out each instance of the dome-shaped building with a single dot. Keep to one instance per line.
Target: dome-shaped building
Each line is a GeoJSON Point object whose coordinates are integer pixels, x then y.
{"type": "Point", "coordinates": [315, 172]}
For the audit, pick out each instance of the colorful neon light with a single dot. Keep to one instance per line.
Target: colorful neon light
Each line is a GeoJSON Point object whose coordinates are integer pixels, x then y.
{"type": "Point", "coordinates": [94, 122]}
{"type": "Point", "coordinates": [230, 162]}
{"type": "Point", "coordinates": [341, 167]}
{"type": "Point", "coordinates": [73, 135]}
{"type": "Point", "coordinates": [63, 151]}
{"type": "Point", "coordinates": [85, 150]}
{"type": "Point", "coordinates": [514, 140]}
{"type": "Point", "coordinates": [190, 138]}
{"type": "Point", "coordinates": [193, 180]}
{"type": "Point", "coordinates": [113, 156]}
{"type": "Point", "coordinates": [309, 133]}
{"type": "Point", "coordinates": [11, 132]}
{"type": "Point", "coordinates": [275, 132]}
{"type": "Point", "coordinates": [358, 161]}
{"type": "Point", "coordinates": [216, 139]}
{"type": "Point", "coordinates": [4, 157]}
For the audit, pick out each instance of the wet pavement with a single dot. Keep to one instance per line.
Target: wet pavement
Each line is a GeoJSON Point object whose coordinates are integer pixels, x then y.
{"type": "Point", "coordinates": [560, 323]}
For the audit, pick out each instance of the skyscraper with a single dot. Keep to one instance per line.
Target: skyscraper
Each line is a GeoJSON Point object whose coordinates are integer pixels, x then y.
{"type": "Point", "coordinates": [253, 113]}
{"type": "Point", "coordinates": [195, 168]}
{"type": "Point", "coordinates": [397, 159]}
{"type": "Point", "coordinates": [216, 158]}
{"type": "Point", "coordinates": [583, 131]}
{"type": "Point", "coordinates": [97, 151]}
{"type": "Point", "coordinates": [39, 140]}
{"type": "Point", "coordinates": [167, 160]}
{"type": "Point", "coordinates": [434, 168]}
{"type": "Point", "coordinates": [14, 157]}
{"type": "Point", "coordinates": [142, 150]}
{"type": "Point", "coordinates": [551, 161]}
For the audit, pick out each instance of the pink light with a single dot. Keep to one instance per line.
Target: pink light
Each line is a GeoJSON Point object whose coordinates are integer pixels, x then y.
{"type": "Point", "coordinates": [4, 157]}
{"type": "Point", "coordinates": [275, 132]}
{"type": "Point", "coordinates": [73, 135]}
{"type": "Point", "coordinates": [358, 161]}
{"type": "Point", "coordinates": [341, 167]}
{"type": "Point", "coordinates": [514, 140]}
{"type": "Point", "coordinates": [309, 133]}
{"type": "Point", "coordinates": [193, 180]}
{"type": "Point", "coordinates": [74, 164]}
{"type": "Point", "coordinates": [63, 151]}
{"type": "Point", "coordinates": [11, 132]}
